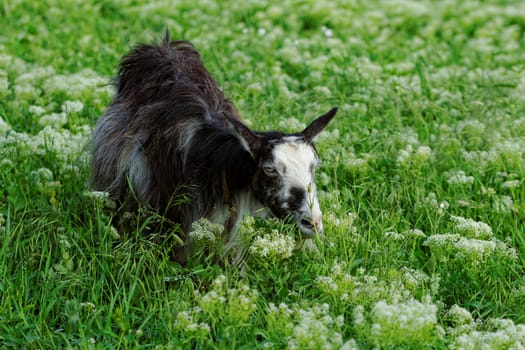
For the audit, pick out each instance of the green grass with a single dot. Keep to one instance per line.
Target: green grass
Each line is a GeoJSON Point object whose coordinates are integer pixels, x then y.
{"type": "Point", "coordinates": [426, 90]}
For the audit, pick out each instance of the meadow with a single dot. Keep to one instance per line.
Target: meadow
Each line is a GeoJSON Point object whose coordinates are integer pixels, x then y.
{"type": "Point", "coordinates": [422, 183]}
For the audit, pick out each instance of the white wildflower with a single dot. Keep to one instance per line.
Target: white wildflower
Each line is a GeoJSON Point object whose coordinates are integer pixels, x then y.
{"type": "Point", "coordinates": [350, 345]}
{"type": "Point", "coordinates": [72, 106]}
{"type": "Point", "coordinates": [4, 83]}
{"type": "Point", "coordinates": [5, 60]}
{"type": "Point", "coordinates": [187, 322]}
{"type": "Point", "coordinates": [292, 124]}
{"type": "Point", "coordinates": [394, 236]}
{"type": "Point", "coordinates": [4, 127]}
{"type": "Point", "coordinates": [233, 305]}
{"type": "Point", "coordinates": [101, 198]}
{"type": "Point", "coordinates": [414, 233]}
{"type": "Point", "coordinates": [36, 110]}
{"type": "Point", "coordinates": [113, 232]}
{"type": "Point", "coordinates": [503, 204]}
{"type": "Point", "coordinates": [323, 91]}
{"type": "Point", "coordinates": [432, 201]}
{"type": "Point", "coordinates": [414, 278]}
{"type": "Point", "coordinates": [507, 335]}
{"type": "Point", "coordinates": [327, 32]}
{"type": "Point", "coordinates": [327, 135]}
{"type": "Point", "coordinates": [459, 316]}
{"type": "Point", "coordinates": [62, 142]}
{"type": "Point", "coordinates": [35, 75]}
{"type": "Point", "coordinates": [511, 184]}
{"type": "Point", "coordinates": [423, 153]}
{"type": "Point", "coordinates": [6, 163]}
{"type": "Point", "coordinates": [345, 222]}
{"type": "Point", "coordinates": [42, 178]}
{"type": "Point", "coordinates": [458, 178]}
{"type": "Point", "coordinates": [56, 120]}
{"type": "Point", "coordinates": [474, 250]}
{"type": "Point", "coordinates": [89, 306]}
{"type": "Point", "coordinates": [78, 85]}
{"type": "Point", "coordinates": [203, 230]}
{"type": "Point", "coordinates": [327, 284]}
{"type": "Point", "coordinates": [404, 155]}
{"type": "Point", "coordinates": [472, 128]}
{"type": "Point", "coordinates": [411, 322]}
{"type": "Point", "coordinates": [359, 316]}
{"type": "Point", "coordinates": [26, 91]}
{"type": "Point", "coordinates": [471, 228]}
{"type": "Point", "coordinates": [503, 249]}
{"type": "Point", "coordinates": [356, 165]}
{"type": "Point", "coordinates": [409, 155]}
{"type": "Point", "coordinates": [275, 246]}
{"type": "Point", "coordinates": [315, 328]}
{"type": "Point", "coordinates": [442, 245]}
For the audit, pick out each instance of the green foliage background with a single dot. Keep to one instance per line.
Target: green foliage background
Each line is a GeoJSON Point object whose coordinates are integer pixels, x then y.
{"type": "Point", "coordinates": [431, 126]}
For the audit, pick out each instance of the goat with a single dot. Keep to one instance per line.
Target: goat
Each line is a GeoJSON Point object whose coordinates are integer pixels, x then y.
{"type": "Point", "coordinates": [170, 131]}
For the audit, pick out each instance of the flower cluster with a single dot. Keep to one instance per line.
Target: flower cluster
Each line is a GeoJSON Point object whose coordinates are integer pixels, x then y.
{"type": "Point", "coordinates": [474, 250]}
{"type": "Point", "coordinates": [509, 153]}
{"type": "Point", "coordinates": [188, 323]}
{"type": "Point", "coordinates": [414, 279]}
{"type": "Point", "coordinates": [470, 228]}
{"type": "Point", "coordinates": [4, 83]}
{"type": "Point", "coordinates": [473, 242]}
{"type": "Point", "coordinates": [274, 246]}
{"type": "Point", "coordinates": [503, 204]}
{"type": "Point", "coordinates": [101, 199]}
{"type": "Point", "coordinates": [365, 289]}
{"type": "Point", "coordinates": [458, 178]}
{"type": "Point", "coordinates": [314, 329]}
{"type": "Point", "coordinates": [410, 156]}
{"type": "Point", "coordinates": [43, 180]}
{"type": "Point", "coordinates": [410, 322]}
{"type": "Point", "coordinates": [511, 184]}
{"type": "Point", "coordinates": [233, 306]}
{"type": "Point", "coordinates": [431, 201]}
{"type": "Point", "coordinates": [405, 235]}
{"type": "Point", "coordinates": [506, 335]}
{"type": "Point", "coordinates": [62, 143]}
{"type": "Point", "coordinates": [307, 327]}
{"type": "Point", "coordinates": [203, 231]}
{"type": "Point", "coordinates": [72, 106]}
{"type": "Point", "coordinates": [460, 319]}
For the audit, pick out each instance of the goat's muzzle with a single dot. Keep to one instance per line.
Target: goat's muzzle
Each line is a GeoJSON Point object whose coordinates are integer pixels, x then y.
{"type": "Point", "coordinates": [310, 226]}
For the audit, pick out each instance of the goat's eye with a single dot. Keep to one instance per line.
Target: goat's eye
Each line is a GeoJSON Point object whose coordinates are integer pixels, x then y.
{"type": "Point", "coordinates": [269, 170]}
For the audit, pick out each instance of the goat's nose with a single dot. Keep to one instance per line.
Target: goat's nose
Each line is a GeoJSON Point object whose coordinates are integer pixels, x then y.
{"type": "Point", "coordinates": [318, 224]}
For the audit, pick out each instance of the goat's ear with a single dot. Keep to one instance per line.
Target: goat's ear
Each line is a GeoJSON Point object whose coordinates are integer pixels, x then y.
{"type": "Point", "coordinates": [318, 125]}
{"type": "Point", "coordinates": [251, 140]}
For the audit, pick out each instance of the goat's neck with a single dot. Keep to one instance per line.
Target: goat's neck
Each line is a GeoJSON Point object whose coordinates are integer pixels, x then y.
{"type": "Point", "coordinates": [243, 203]}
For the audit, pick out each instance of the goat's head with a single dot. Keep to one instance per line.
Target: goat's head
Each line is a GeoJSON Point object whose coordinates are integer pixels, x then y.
{"type": "Point", "coordinates": [284, 181]}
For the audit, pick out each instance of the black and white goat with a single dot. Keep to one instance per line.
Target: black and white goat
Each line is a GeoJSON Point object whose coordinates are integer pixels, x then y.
{"type": "Point", "coordinates": [171, 132]}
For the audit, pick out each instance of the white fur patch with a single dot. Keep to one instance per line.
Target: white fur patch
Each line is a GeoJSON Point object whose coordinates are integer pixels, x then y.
{"type": "Point", "coordinates": [138, 172]}
{"type": "Point", "coordinates": [188, 129]}
{"type": "Point", "coordinates": [295, 160]}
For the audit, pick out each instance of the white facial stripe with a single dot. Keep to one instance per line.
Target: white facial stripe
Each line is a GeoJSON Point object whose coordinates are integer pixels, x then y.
{"type": "Point", "coordinates": [297, 158]}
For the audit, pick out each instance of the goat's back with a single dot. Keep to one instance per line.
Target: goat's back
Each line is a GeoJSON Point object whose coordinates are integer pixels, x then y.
{"type": "Point", "coordinates": [164, 95]}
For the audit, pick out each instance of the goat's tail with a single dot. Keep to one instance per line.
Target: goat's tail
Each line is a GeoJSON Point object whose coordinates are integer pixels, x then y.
{"type": "Point", "coordinates": [147, 67]}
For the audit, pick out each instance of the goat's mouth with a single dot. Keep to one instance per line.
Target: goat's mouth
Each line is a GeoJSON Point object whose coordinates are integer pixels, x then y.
{"type": "Point", "coordinates": [307, 227]}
